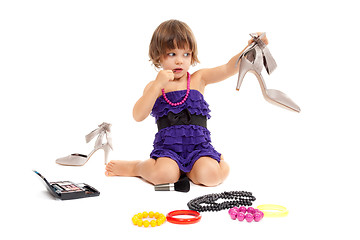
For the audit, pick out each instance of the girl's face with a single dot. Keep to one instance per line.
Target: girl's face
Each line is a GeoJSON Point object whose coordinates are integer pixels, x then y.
{"type": "Point", "coordinates": [177, 60]}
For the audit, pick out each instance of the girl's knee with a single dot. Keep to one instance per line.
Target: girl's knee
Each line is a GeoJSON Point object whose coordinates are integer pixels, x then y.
{"type": "Point", "coordinates": [165, 175]}
{"type": "Point", "coordinates": [207, 171]}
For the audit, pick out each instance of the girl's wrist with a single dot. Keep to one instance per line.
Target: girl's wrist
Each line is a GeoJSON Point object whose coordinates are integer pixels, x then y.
{"type": "Point", "coordinates": [160, 83]}
{"type": "Point", "coordinates": [156, 87]}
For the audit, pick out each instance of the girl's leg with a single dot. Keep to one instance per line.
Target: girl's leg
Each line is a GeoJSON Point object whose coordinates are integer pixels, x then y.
{"type": "Point", "coordinates": [208, 172]}
{"type": "Point", "coordinates": [161, 170]}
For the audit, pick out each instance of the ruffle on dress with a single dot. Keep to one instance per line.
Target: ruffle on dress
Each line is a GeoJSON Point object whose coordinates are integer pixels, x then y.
{"type": "Point", "coordinates": [181, 138]}
{"type": "Point", "coordinates": [183, 143]}
{"type": "Point", "coordinates": [186, 164]}
{"type": "Point", "coordinates": [195, 103]}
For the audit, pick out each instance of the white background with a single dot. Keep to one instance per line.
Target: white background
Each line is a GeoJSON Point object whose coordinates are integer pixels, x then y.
{"type": "Point", "coordinates": [67, 66]}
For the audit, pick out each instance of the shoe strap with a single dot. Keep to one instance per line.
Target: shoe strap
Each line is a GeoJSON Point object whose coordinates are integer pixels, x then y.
{"type": "Point", "coordinates": [244, 53]}
{"type": "Point", "coordinates": [103, 129]}
{"type": "Point", "coordinates": [268, 60]}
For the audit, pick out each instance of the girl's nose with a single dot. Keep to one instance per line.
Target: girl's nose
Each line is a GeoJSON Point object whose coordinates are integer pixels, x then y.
{"type": "Point", "coordinates": [178, 60]}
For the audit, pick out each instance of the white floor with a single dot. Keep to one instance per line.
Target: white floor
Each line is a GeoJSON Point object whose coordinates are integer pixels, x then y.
{"type": "Point", "coordinates": [68, 66]}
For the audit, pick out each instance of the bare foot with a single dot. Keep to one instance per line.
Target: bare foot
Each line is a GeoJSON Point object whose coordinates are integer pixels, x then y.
{"type": "Point", "coordinates": [121, 168]}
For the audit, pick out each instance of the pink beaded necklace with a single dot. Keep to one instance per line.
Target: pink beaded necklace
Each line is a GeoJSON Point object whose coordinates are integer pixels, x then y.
{"type": "Point", "coordinates": [186, 96]}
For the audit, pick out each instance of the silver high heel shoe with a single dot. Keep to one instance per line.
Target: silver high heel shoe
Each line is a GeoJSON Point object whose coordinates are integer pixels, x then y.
{"type": "Point", "coordinates": [254, 57]}
{"type": "Point", "coordinates": [77, 159]}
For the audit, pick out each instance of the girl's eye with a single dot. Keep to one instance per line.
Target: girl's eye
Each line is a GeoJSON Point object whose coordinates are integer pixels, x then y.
{"type": "Point", "coordinates": [187, 54]}
{"type": "Point", "coordinates": [171, 54]}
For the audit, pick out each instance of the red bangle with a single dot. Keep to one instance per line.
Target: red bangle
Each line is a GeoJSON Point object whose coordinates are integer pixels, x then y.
{"type": "Point", "coordinates": [170, 217]}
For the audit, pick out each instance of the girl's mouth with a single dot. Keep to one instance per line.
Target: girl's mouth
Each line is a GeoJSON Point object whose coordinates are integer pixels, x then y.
{"type": "Point", "coordinates": [177, 70]}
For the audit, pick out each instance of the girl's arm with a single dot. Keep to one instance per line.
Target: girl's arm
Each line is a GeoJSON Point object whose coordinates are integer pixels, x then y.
{"type": "Point", "coordinates": [152, 91]}
{"type": "Point", "coordinates": [145, 104]}
{"type": "Point", "coordinates": [220, 73]}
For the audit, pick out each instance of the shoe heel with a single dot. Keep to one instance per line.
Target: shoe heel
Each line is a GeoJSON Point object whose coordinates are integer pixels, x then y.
{"type": "Point", "coordinates": [244, 67]}
{"type": "Point", "coordinates": [240, 80]}
{"type": "Point", "coordinates": [106, 149]}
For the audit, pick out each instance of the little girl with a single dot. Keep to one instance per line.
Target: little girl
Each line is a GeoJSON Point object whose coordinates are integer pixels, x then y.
{"type": "Point", "coordinates": [175, 98]}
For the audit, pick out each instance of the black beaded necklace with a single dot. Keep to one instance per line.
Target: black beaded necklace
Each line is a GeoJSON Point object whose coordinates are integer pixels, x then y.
{"type": "Point", "coordinates": [208, 202]}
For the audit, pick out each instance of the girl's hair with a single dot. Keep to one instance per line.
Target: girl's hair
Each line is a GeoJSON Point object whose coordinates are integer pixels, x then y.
{"type": "Point", "coordinates": [169, 35]}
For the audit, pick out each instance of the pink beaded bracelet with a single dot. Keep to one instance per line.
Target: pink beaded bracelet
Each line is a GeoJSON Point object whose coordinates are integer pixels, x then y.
{"type": "Point", "coordinates": [250, 214]}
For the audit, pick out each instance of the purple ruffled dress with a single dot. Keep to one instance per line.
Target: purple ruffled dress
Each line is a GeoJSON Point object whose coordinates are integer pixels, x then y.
{"type": "Point", "coordinates": [183, 143]}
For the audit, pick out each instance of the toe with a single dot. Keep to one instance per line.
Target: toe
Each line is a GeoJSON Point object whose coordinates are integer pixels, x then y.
{"type": "Point", "coordinates": [109, 173]}
{"type": "Point", "coordinates": [109, 166]}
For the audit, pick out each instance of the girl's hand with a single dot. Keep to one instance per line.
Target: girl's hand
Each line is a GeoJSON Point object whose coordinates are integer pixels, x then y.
{"type": "Point", "coordinates": [163, 77]}
{"type": "Point", "coordinates": [264, 39]}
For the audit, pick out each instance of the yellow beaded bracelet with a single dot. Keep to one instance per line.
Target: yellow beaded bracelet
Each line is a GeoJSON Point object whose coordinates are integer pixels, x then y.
{"type": "Point", "coordinates": [137, 219]}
